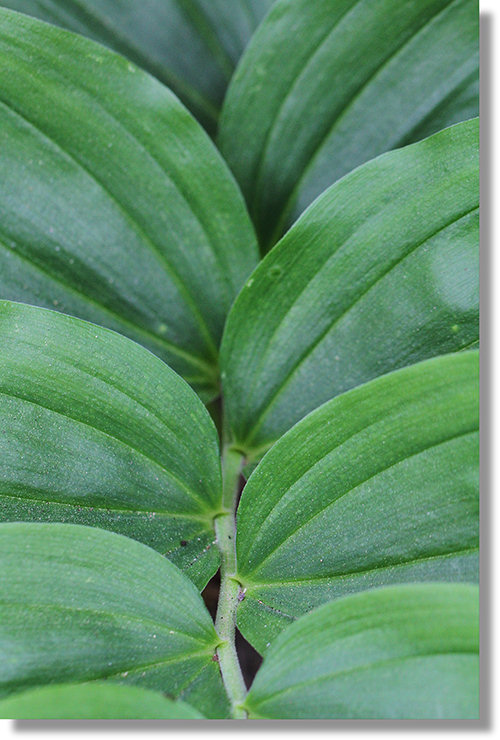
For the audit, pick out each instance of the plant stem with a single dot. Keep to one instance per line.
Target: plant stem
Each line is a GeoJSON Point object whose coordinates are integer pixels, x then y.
{"type": "Point", "coordinates": [225, 621]}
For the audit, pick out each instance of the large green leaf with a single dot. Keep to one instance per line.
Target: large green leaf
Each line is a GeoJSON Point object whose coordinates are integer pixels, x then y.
{"type": "Point", "coordinates": [78, 603]}
{"type": "Point", "coordinates": [114, 204]}
{"type": "Point", "coordinates": [378, 486]}
{"type": "Point", "coordinates": [94, 429]}
{"type": "Point", "coordinates": [326, 85]}
{"type": "Point", "coordinates": [190, 45]}
{"type": "Point", "coordinates": [405, 652]}
{"type": "Point", "coordinates": [382, 271]}
{"type": "Point", "coordinates": [94, 701]}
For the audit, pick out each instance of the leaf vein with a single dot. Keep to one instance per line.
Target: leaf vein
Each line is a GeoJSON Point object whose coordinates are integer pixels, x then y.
{"type": "Point", "coordinates": [363, 668]}
{"type": "Point", "coordinates": [310, 349]}
{"type": "Point", "coordinates": [390, 58]}
{"type": "Point", "coordinates": [207, 369]}
{"type": "Point", "coordinates": [131, 219]}
{"type": "Point", "coordinates": [191, 494]}
{"type": "Point", "coordinates": [114, 616]}
{"type": "Point", "coordinates": [332, 504]}
{"type": "Point", "coordinates": [100, 507]}
{"type": "Point", "coordinates": [362, 571]}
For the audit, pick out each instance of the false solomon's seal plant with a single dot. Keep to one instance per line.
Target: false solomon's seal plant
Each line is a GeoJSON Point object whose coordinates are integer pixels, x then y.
{"type": "Point", "coordinates": [174, 404]}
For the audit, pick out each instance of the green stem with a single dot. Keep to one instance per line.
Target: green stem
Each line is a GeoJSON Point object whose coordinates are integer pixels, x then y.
{"type": "Point", "coordinates": [225, 621]}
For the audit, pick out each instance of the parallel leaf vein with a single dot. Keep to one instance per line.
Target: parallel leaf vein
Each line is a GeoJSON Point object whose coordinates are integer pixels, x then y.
{"type": "Point", "coordinates": [356, 95]}
{"type": "Point", "coordinates": [100, 507]}
{"type": "Point", "coordinates": [102, 613]}
{"type": "Point", "coordinates": [181, 484]}
{"type": "Point", "coordinates": [128, 48]}
{"type": "Point", "coordinates": [150, 337]}
{"type": "Point", "coordinates": [304, 356]}
{"type": "Point", "coordinates": [350, 491]}
{"type": "Point", "coordinates": [304, 580]}
{"type": "Point", "coordinates": [141, 233]}
{"type": "Point", "coordinates": [289, 93]}
{"type": "Point", "coordinates": [362, 669]}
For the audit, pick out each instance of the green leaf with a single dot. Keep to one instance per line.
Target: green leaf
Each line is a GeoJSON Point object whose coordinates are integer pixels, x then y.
{"type": "Point", "coordinates": [381, 272]}
{"type": "Point", "coordinates": [324, 86]}
{"type": "Point", "coordinates": [79, 604]}
{"type": "Point", "coordinates": [114, 204]}
{"type": "Point", "coordinates": [405, 652]}
{"type": "Point", "coordinates": [378, 486]}
{"type": "Point", "coordinates": [94, 701]}
{"type": "Point", "coordinates": [97, 430]}
{"type": "Point", "coordinates": [190, 45]}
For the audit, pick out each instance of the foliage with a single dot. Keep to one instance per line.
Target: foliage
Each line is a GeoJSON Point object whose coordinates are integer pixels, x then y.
{"type": "Point", "coordinates": [153, 363]}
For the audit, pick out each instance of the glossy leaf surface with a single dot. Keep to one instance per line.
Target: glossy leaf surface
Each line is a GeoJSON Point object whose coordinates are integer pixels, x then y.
{"type": "Point", "coordinates": [380, 272]}
{"type": "Point", "coordinates": [97, 430]}
{"type": "Point", "coordinates": [78, 604]}
{"type": "Point", "coordinates": [192, 46]}
{"type": "Point", "coordinates": [378, 486]}
{"type": "Point", "coordinates": [324, 86]}
{"type": "Point", "coordinates": [114, 204]}
{"type": "Point", "coordinates": [405, 652]}
{"type": "Point", "coordinates": [94, 701]}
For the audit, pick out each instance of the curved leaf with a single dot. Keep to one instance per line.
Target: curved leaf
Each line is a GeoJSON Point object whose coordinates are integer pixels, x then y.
{"type": "Point", "coordinates": [79, 604]}
{"type": "Point", "coordinates": [365, 76]}
{"type": "Point", "coordinates": [114, 204]}
{"type": "Point", "coordinates": [94, 701]}
{"type": "Point", "coordinates": [381, 272]}
{"type": "Point", "coordinates": [97, 430]}
{"type": "Point", "coordinates": [378, 486]}
{"type": "Point", "coordinates": [190, 45]}
{"type": "Point", "coordinates": [405, 652]}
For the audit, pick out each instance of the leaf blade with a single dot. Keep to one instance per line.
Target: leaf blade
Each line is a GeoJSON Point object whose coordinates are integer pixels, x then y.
{"type": "Point", "coordinates": [116, 207]}
{"type": "Point", "coordinates": [406, 652]}
{"type": "Point", "coordinates": [377, 486]}
{"type": "Point", "coordinates": [371, 278]}
{"type": "Point", "coordinates": [76, 606]}
{"type": "Point", "coordinates": [94, 701]}
{"type": "Point", "coordinates": [96, 430]}
{"type": "Point", "coordinates": [191, 47]}
{"type": "Point", "coordinates": [415, 80]}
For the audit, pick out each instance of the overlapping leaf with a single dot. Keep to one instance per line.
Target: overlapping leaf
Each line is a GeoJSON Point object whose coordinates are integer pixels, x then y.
{"type": "Point", "coordinates": [79, 604]}
{"type": "Point", "coordinates": [378, 486]}
{"type": "Point", "coordinates": [324, 86]}
{"type": "Point", "coordinates": [114, 204]}
{"type": "Point", "coordinates": [380, 272]}
{"type": "Point", "coordinates": [94, 701]}
{"type": "Point", "coordinates": [190, 45]}
{"type": "Point", "coordinates": [405, 652]}
{"type": "Point", "coordinates": [97, 430]}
